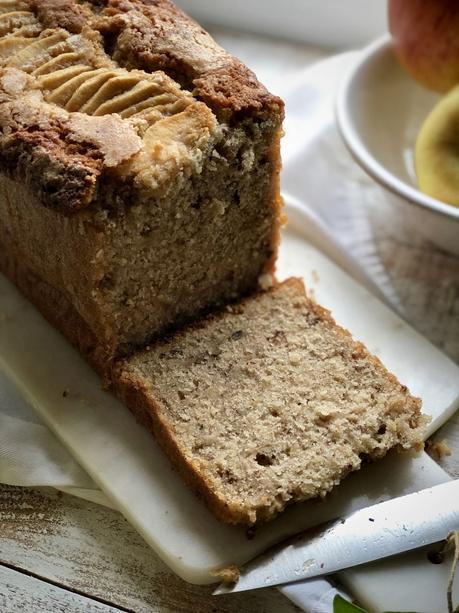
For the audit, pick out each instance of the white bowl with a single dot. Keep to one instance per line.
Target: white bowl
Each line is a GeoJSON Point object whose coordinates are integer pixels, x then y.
{"type": "Point", "coordinates": [379, 112]}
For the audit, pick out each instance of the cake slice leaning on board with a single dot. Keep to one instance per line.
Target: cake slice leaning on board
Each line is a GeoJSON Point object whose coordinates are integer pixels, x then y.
{"type": "Point", "coordinates": [267, 403]}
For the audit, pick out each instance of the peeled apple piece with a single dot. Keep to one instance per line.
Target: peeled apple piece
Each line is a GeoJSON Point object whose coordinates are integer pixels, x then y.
{"type": "Point", "coordinates": [437, 151]}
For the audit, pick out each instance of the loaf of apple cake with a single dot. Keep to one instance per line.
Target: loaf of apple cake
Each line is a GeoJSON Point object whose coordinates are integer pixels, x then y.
{"type": "Point", "coordinates": [139, 169]}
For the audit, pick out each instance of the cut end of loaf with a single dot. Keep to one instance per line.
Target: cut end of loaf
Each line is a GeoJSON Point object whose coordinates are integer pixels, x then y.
{"type": "Point", "coordinates": [267, 404]}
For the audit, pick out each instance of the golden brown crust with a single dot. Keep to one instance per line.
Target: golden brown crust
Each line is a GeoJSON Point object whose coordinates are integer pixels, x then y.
{"type": "Point", "coordinates": [65, 14]}
{"type": "Point", "coordinates": [65, 172]}
{"type": "Point", "coordinates": [234, 90]}
{"type": "Point", "coordinates": [156, 35]}
{"type": "Point", "coordinates": [60, 156]}
{"type": "Point", "coordinates": [65, 158]}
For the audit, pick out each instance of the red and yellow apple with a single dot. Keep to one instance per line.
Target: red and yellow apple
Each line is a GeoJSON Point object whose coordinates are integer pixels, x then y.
{"type": "Point", "coordinates": [426, 40]}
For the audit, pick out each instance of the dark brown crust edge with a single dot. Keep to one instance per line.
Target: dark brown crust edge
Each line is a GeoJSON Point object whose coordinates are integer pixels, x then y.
{"type": "Point", "coordinates": [60, 177]}
{"type": "Point", "coordinates": [137, 398]}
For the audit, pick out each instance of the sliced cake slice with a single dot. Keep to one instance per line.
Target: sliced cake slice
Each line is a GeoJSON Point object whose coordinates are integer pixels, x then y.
{"type": "Point", "coordinates": [267, 403]}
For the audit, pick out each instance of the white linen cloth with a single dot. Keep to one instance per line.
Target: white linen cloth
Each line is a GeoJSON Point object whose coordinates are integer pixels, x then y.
{"type": "Point", "coordinates": [317, 172]}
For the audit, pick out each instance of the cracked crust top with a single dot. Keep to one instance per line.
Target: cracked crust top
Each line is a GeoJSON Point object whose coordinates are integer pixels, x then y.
{"type": "Point", "coordinates": [156, 35]}
{"type": "Point", "coordinates": [65, 14]}
{"type": "Point", "coordinates": [60, 155]}
{"type": "Point", "coordinates": [85, 85]}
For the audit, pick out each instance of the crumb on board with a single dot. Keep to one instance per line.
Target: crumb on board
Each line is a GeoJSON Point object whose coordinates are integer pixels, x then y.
{"type": "Point", "coordinates": [315, 276]}
{"type": "Point", "coordinates": [228, 574]}
{"type": "Point", "coordinates": [438, 449]}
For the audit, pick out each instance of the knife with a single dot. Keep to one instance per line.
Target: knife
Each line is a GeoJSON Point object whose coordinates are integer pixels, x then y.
{"type": "Point", "coordinates": [376, 532]}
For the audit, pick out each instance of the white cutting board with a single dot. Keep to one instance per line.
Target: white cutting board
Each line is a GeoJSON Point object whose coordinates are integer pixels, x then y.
{"type": "Point", "coordinates": [129, 467]}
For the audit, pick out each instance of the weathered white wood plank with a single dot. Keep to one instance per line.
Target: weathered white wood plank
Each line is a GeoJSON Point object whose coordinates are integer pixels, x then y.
{"type": "Point", "coordinates": [94, 550]}
{"type": "Point", "coordinates": [20, 593]}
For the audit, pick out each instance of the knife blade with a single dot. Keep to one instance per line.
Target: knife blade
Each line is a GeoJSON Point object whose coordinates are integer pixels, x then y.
{"type": "Point", "coordinates": [370, 534]}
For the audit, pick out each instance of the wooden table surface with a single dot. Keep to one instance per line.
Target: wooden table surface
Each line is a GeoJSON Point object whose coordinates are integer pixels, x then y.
{"type": "Point", "coordinates": [60, 553]}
